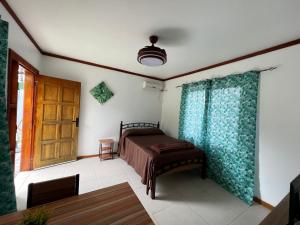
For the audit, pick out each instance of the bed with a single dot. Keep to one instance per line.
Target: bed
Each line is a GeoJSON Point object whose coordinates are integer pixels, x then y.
{"type": "Point", "coordinates": [152, 153]}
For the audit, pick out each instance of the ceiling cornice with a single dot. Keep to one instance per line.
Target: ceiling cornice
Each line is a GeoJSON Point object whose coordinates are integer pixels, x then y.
{"type": "Point", "coordinates": [250, 55]}
{"type": "Point", "coordinates": [99, 65]}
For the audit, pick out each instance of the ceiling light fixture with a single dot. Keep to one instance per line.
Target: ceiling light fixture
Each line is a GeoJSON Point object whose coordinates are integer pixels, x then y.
{"type": "Point", "coordinates": [151, 55]}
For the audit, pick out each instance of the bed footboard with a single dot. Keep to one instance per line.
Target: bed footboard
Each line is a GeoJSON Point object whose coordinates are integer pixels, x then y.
{"type": "Point", "coordinates": [198, 163]}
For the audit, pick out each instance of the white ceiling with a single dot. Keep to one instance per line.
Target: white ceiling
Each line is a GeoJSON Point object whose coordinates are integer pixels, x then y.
{"type": "Point", "coordinates": [195, 33]}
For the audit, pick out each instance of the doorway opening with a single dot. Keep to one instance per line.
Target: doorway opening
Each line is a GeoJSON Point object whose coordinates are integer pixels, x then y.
{"type": "Point", "coordinates": [20, 111]}
{"type": "Point", "coordinates": [20, 107]}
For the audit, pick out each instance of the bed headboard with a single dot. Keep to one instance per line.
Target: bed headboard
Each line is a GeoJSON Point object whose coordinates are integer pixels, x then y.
{"type": "Point", "coordinates": [124, 126]}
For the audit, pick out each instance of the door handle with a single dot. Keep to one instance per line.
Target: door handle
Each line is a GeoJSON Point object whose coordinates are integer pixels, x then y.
{"type": "Point", "coordinates": [76, 121]}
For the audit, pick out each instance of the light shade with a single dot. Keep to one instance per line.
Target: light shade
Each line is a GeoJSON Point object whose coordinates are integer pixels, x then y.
{"type": "Point", "coordinates": [152, 55]}
{"type": "Point", "coordinates": [151, 61]}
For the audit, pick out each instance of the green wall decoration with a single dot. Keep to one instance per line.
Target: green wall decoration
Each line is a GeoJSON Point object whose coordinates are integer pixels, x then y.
{"type": "Point", "coordinates": [219, 116]}
{"type": "Point", "coordinates": [7, 189]}
{"type": "Point", "coordinates": [102, 93]}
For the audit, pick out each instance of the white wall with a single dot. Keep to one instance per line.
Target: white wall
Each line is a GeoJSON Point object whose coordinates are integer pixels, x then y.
{"type": "Point", "coordinates": [130, 101]}
{"type": "Point", "coordinates": [278, 140]}
{"type": "Point", "coordinates": [19, 42]}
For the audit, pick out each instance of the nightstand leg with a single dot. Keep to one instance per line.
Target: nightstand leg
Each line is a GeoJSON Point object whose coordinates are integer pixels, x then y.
{"type": "Point", "coordinates": [100, 151]}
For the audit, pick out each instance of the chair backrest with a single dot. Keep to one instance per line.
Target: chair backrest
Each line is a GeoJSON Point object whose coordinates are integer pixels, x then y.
{"type": "Point", "coordinates": [52, 190]}
{"type": "Point", "coordinates": [294, 210]}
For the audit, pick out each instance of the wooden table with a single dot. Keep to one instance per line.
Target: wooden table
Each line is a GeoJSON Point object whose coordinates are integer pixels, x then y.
{"type": "Point", "coordinates": [112, 205]}
{"type": "Point", "coordinates": [280, 214]}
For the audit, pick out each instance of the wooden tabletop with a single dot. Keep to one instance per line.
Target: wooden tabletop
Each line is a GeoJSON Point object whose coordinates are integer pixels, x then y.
{"type": "Point", "coordinates": [280, 214]}
{"type": "Point", "coordinates": [112, 205]}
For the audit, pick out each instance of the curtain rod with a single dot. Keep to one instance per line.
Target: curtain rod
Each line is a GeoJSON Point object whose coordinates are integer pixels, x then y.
{"type": "Point", "coordinates": [263, 70]}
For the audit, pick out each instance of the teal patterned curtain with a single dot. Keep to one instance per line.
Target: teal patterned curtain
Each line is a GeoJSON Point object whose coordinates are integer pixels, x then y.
{"type": "Point", "coordinates": [229, 137]}
{"type": "Point", "coordinates": [193, 112]}
{"type": "Point", "coordinates": [7, 189]}
{"type": "Point", "coordinates": [231, 133]}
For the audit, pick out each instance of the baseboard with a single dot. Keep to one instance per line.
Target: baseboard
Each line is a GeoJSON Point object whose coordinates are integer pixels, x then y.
{"type": "Point", "coordinates": [263, 203]}
{"type": "Point", "coordinates": [86, 156]}
{"type": "Point", "coordinates": [90, 156]}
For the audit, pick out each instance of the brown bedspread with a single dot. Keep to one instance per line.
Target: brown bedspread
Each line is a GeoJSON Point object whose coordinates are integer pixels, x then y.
{"type": "Point", "coordinates": [171, 147]}
{"type": "Point", "coordinates": [135, 149]}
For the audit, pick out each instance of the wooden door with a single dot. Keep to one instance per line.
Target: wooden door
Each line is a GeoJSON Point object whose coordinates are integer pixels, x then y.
{"type": "Point", "coordinates": [56, 121]}
{"type": "Point", "coordinates": [27, 127]}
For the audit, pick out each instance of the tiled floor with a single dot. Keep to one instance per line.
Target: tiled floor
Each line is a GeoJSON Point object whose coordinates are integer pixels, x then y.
{"type": "Point", "coordinates": [17, 162]}
{"type": "Point", "coordinates": [182, 198]}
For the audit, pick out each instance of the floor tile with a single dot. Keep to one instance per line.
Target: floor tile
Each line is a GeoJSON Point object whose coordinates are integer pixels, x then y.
{"type": "Point", "coordinates": [88, 186]}
{"type": "Point", "coordinates": [178, 215]}
{"type": "Point", "coordinates": [253, 216]}
{"type": "Point", "coordinates": [216, 205]}
{"type": "Point", "coordinates": [181, 198]}
{"type": "Point", "coordinates": [161, 202]}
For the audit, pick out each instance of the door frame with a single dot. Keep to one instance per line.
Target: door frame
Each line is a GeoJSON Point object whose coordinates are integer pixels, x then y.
{"type": "Point", "coordinates": [14, 60]}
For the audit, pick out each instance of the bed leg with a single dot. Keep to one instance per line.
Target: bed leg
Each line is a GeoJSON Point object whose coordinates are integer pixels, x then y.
{"type": "Point", "coordinates": [153, 184]}
{"type": "Point", "coordinates": [147, 186]}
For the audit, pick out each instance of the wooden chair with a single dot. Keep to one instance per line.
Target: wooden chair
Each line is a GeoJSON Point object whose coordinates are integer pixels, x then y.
{"type": "Point", "coordinates": [52, 190]}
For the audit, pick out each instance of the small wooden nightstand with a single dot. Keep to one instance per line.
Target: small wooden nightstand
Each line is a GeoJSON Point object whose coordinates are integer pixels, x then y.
{"type": "Point", "coordinates": [106, 148]}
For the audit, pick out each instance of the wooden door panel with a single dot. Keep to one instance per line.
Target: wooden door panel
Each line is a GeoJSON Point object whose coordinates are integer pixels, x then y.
{"type": "Point", "coordinates": [49, 132]}
{"type": "Point", "coordinates": [48, 152]}
{"type": "Point", "coordinates": [50, 92]}
{"type": "Point", "coordinates": [68, 95]}
{"type": "Point", "coordinates": [66, 149]}
{"type": "Point", "coordinates": [66, 131]}
{"type": "Point", "coordinates": [50, 112]}
{"type": "Point", "coordinates": [67, 112]}
{"type": "Point", "coordinates": [56, 134]}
